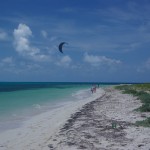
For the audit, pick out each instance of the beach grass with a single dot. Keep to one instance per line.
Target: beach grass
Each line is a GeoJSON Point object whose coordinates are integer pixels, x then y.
{"type": "Point", "coordinates": [144, 123]}
{"type": "Point", "coordinates": [142, 92]}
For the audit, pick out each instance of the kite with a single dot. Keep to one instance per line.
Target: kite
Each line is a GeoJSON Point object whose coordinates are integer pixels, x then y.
{"type": "Point", "coordinates": [61, 46]}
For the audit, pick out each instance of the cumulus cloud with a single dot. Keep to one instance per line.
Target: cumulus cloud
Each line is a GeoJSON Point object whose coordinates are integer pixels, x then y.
{"type": "Point", "coordinates": [23, 46]}
{"type": "Point", "coordinates": [64, 61]}
{"type": "Point", "coordinates": [100, 60]}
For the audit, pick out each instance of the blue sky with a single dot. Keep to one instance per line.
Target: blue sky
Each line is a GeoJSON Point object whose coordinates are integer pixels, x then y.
{"type": "Point", "coordinates": [108, 40]}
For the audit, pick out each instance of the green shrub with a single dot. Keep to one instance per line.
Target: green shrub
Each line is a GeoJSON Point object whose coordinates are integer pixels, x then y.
{"type": "Point", "coordinates": [145, 86]}
{"type": "Point", "coordinates": [145, 98]}
{"type": "Point", "coordinates": [144, 123]}
{"type": "Point", "coordinates": [145, 107]}
{"type": "Point", "coordinates": [141, 93]}
{"type": "Point", "coordinates": [130, 91]}
{"type": "Point", "coordinates": [122, 87]}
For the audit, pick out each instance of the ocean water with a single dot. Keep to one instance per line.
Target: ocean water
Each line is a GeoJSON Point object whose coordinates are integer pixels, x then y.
{"type": "Point", "coordinates": [19, 101]}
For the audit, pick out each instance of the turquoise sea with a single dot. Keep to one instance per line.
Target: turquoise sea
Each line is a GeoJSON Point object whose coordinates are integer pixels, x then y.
{"type": "Point", "coordinates": [21, 100]}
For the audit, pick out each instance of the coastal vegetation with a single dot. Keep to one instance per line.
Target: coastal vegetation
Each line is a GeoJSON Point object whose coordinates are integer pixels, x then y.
{"type": "Point", "coordinates": [142, 92]}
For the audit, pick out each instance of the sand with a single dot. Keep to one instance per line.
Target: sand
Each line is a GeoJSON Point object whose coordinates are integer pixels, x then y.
{"type": "Point", "coordinates": [108, 123]}
{"type": "Point", "coordinates": [35, 132]}
{"type": "Point", "coordinates": [104, 121]}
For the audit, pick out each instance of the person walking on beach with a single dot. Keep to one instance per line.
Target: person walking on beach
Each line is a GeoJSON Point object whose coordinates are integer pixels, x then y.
{"type": "Point", "coordinates": [93, 89]}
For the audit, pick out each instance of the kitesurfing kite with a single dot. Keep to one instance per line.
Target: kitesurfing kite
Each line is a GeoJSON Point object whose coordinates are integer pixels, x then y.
{"type": "Point", "coordinates": [61, 46]}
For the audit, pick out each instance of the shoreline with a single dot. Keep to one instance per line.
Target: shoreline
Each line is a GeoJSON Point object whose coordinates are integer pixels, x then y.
{"type": "Point", "coordinates": [38, 129]}
{"type": "Point", "coordinates": [14, 118]}
{"type": "Point", "coordinates": [85, 124]}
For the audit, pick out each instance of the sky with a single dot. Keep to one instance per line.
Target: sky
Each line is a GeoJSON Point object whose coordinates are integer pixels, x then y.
{"type": "Point", "coordinates": [108, 40]}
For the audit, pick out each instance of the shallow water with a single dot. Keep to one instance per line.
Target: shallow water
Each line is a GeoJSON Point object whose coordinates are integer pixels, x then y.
{"type": "Point", "coordinates": [20, 101]}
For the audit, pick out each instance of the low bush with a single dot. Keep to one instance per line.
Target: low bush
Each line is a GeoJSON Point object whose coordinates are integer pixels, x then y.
{"type": "Point", "coordinates": [144, 108]}
{"type": "Point", "coordinates": [130, 91]}
{"type": "Point", "coordinates": [145, 97]}
{"type": "Point", "coordinates": [144, 123]}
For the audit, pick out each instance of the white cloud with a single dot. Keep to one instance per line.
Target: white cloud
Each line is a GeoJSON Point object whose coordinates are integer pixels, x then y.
{"type": "Point", "coordinates": [44, 33]}
{"type": "Point", "coordinates": [11, 65]}
{"type": "Point", "coordinates": [100, 60]}
{"type": "Point", "coordinates": [3, 36]}
{"type": "Point", "coordinates": [23, 46]}
{"type": "Point", "coordinates": [64, 61]}
{"type": "Point", "coordinates": [53, 38]}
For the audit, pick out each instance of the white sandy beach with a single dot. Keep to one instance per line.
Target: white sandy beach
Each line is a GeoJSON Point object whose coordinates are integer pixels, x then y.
{"type": "Point", "coordinates": [89, 127]}
{"type": "Point", "coordinates": [36, 132]}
